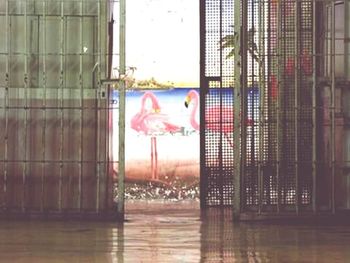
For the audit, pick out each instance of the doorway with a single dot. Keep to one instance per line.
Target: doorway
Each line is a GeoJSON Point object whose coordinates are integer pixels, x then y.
{"type": "Point", "coordinates": [161, 143]}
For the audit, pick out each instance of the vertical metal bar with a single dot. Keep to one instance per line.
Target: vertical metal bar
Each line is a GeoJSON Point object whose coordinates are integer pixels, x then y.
{"type": "Point", "coordinates": [6, 104]}
{"type": "Point", "coordinates": [43, 161]}
{"type": "Point", "coordinates": [332, 144]}
{"type": "Point", "coordinates": [220, 152]}
{"type": "Point", "coordinates": [243, 89]}
{"type": "Point", "coordinates": [16, 164]}
{"type": "Point", "coordinates": [314, 109]}
{"type": "Point", "coordinates": [347, 74]}
{"type": "Point", "coordinates": [261, 118]}
{"type": "Point", "coordinates": [279, 102]}
{"type": "Point", "coordinates": [25, 80]}
{"type": "Point", "coordinates": [327, 47]}
{"type": "Point", "coordinates": [121, 167]}
{"type": "Point", "coordinates": [237, 109]}
{"type": "Point", "coordinates": [61, 106]}
{"type": "Point", "coordinates": [296, 103]}
{"type": "Point", "coordinates": [203, 93]}
{"type": "Point", "coordinates": [347, 39]}
{"type": "Point", "coordinates": [253, 79]}
{"type": "Point", "coordinates": [98, 107]}
{"type": "Point", "coordinates": [81, 130]}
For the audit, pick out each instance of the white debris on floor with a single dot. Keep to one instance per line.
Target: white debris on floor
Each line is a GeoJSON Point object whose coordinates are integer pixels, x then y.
{"type": "Point", "coordinates": [156, 191]}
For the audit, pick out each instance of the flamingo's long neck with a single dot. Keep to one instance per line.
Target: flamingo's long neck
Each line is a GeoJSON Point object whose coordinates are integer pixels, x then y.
{"type": "Point", "coordinates": [149, 95]}
{"type": "Point", "coordinates": [193, 121]}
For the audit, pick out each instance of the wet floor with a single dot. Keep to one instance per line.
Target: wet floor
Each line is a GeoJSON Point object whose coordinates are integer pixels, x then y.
{"type": "Point", "coordinates": [172, 232]}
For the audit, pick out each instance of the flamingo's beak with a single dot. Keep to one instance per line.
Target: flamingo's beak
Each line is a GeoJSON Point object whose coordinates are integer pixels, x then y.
{"type": "Point", "coordinates": [156, 110]}
{"type": "Point", "coordinates": [187, 101]}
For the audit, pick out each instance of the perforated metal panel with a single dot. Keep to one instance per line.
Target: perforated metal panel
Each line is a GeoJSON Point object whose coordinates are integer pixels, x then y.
{"type": "Point", "coordinates": [278, 165]}
{"type": "Point", "coordinates": [216, 92]}
{"type": "Point", "coordinates": [276, 87]}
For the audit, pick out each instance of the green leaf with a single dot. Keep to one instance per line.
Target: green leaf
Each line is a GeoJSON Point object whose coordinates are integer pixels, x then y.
{"type": "Point", "coordinates": [228, 45]}
{"type": "Point", "coordinates": [231, 54]}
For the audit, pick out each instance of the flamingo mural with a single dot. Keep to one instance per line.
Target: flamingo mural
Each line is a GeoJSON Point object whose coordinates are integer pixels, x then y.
{"type": "Point", "coordinates": [217, 118]}
{"type": "Point", "coordinates": [153, 123]}
{"type": "Point", "coordinates": [212, 116]}
{"type": "Point", "coordinates": [193, 95]}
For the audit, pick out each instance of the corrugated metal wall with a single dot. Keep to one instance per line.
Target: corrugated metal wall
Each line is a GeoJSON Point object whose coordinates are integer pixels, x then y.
{"type": "Point", "coordinates": [53, 108]}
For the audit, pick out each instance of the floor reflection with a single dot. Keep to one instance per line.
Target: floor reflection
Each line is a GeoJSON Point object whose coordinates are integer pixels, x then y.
{"type": "Point", "coordinates": [172, 232]}
{"type": "Point", "coordinates": [224, 241]}
{"type": "Point", "coordinates": [162, 232]}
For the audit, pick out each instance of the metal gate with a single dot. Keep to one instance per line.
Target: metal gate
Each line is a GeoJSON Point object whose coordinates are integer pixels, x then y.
{"type": "Point", "coordinates": [277, 156]}
{"type": "Point", "coordinates": [277, 61]}
{"type": "Point", "coordinates": [54, 109]}
{"type": "Point", "coordinates": [216, 93]}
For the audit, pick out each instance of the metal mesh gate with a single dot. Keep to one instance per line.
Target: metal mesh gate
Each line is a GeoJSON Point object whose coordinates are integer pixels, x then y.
{"type": "Point", "coordinates": [217, 81]}
{"type": "Point", "coordinates": [54, 110]}
{"type": "Point", "coordinates": [276, 63]}
{"type": "Point", "coordinates": [278, 151]}
{"type": "Point", "coordinates": [276, 136]}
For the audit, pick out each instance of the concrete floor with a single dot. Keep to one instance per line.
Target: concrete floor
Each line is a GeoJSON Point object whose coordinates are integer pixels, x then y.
{"type": "Point", "coordinates": [172, 232]}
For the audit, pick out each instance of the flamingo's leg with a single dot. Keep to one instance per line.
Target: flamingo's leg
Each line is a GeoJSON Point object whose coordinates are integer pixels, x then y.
{"type": "Point", "coordinates": [155, 159]}
{"type": "Point", "coordinates": [152, 158]}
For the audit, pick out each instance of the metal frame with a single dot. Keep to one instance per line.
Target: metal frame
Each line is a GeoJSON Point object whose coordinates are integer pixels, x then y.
{"type": "Point", "coordinates": [332, 110]}
{"type": "Point", "coordinates": [314, 111]}
{"type": "Point", "coordinates": [279, 105]}
{"type": "Point", "coordinates": [347, 36]}
{"type": "Point", "coordinates": [121, 166]}
{"type": "Point", "coordinates": [262, 103]}
{"type": "Point", "coordinates": [203, 91]}
{"type": "Point", "coordinates": [25, 130]}
{"type": "Point", "coordinates": [6, 104]}
{"type": "Point", "coordinates": [244, 93]}
{"type": "Point", "coordinates": [296, 102]}
{"type": "Point", "coordinates": [44, 103]}
{"type": "Point", "coordinates": [98, 104]}
{"type": "Point", "coordinates": [237, 121]}
{"type": "Point", "coordinates": [347, 77]}
{"type": "Point", "coordinates": [61, 104]}
{"type": "Point", "coordinates": [81, 102]}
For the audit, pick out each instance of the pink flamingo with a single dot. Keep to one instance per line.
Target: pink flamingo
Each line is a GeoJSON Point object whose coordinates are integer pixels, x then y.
{"type": "Point", "coordinates": [217, 119]}
{"type": "Point", "coordinates": [212, 116]}
{"type": "Point", "coordinates": [152, 122]}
